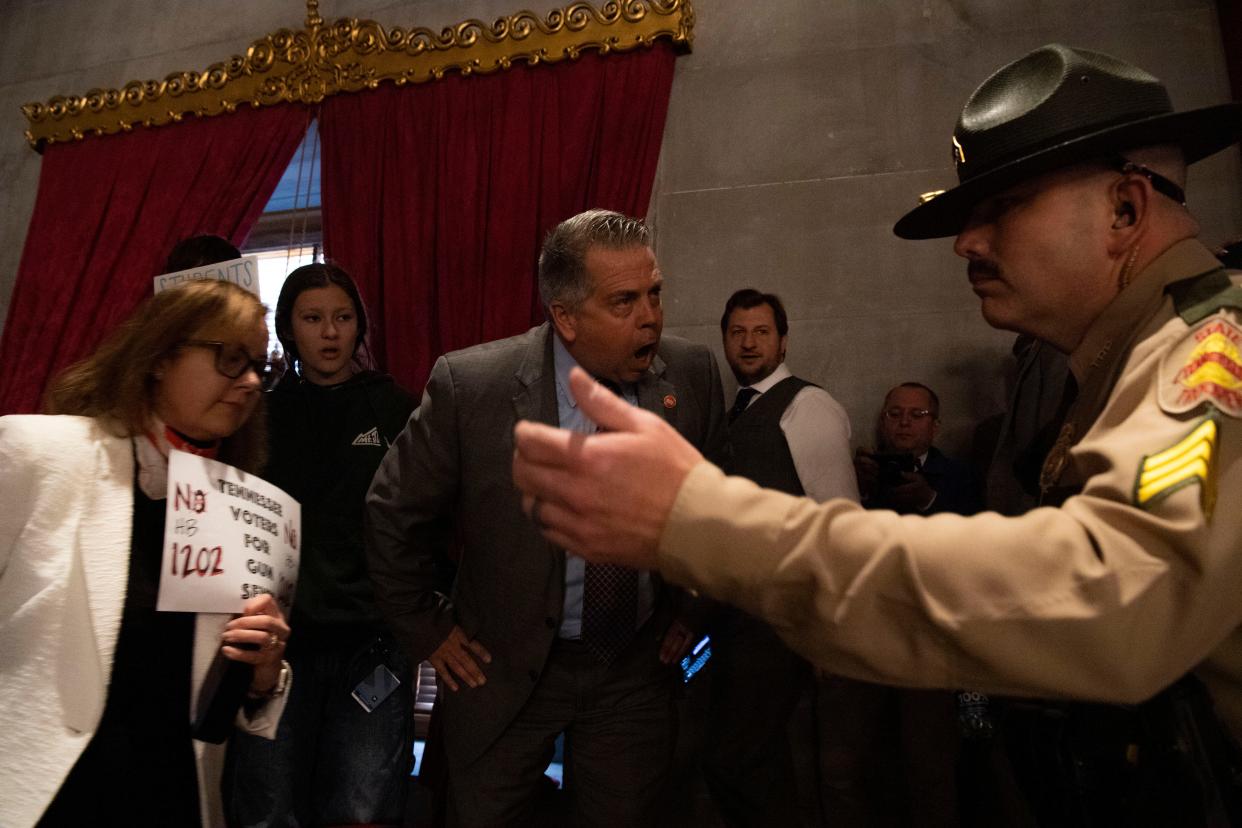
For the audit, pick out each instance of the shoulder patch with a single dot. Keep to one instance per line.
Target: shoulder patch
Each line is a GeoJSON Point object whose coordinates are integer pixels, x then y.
{"type": "Point", "coordinates": [1190, 460]}
{"type": "Point", "coordinates": [1205, 367]}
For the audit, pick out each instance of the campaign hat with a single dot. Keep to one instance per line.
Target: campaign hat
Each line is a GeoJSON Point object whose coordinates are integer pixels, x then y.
{"type": "Point", "coordinates": [1055, 107]}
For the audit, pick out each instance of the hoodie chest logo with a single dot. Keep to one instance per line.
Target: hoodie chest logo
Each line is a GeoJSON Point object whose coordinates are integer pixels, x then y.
{"type": "Point", "coordinates": [368, 438]}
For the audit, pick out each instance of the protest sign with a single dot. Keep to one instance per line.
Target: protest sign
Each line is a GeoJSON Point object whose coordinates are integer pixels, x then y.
{"type": "Point", "coordinates": [228, 536]}
{"type": "Point", "coordinates": [243, 272]}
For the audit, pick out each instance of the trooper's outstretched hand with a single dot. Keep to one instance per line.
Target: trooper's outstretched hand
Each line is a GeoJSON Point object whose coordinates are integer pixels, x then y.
{"type": "Point", "coordinates": [603, 496]}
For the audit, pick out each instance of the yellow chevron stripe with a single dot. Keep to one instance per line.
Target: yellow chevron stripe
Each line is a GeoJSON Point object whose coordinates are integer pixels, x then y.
{"type": "Point", "coordinates": [1202, 450]}
{"type": "Point", "coordinates": [1212, 372]}
{"type": "Point", "coordinates": [1205, 430]}
{"type": "Point", "coordinates": [1149, 488]}
{"type": "Point", "coordinates": [1188, 461]}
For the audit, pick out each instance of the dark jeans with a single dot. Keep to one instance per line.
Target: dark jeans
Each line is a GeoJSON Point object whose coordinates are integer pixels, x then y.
{"type": "Point", "coordinates": [331, 762]}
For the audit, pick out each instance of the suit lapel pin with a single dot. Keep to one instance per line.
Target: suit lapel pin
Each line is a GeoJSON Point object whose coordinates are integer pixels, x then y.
{"type": "Point", "coordinates": [670, 401]}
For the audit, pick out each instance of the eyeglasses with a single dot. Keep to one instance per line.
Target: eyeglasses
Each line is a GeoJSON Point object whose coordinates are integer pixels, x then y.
{"type": "Point", "coordinates": [232, 361]}
{"type": "Point", "coordinates": [915, 414]}
{"type": "Point", "coordinates": [1158, 182]}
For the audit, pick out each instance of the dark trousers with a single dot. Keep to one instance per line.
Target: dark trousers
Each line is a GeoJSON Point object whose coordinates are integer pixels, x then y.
{"type": "Point", "coordinates": [619, 725]}
{"type": "Point", "coordinates": [332, 762]}
{"type": "Point", "coordinates": [889, 755]}
{"type": "Point", "coordinates": [756, 682]}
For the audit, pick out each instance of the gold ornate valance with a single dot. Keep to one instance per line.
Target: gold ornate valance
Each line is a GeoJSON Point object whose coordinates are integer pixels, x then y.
{"type": "Point", "coordinates": [349, 55]}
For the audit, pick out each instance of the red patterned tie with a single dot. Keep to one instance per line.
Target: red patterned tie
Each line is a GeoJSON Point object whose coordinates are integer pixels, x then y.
{"type": "Point", "coordinates": [609, 601]}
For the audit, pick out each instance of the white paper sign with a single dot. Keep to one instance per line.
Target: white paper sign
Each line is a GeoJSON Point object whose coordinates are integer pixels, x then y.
{"type": "Point", "coordinates": [228, 536]}
{"type": "Point", "coordinates": [243, 272]}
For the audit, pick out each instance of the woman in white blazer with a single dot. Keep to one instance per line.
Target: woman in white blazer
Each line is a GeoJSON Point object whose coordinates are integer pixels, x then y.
{"type": "Point", "coordinates": [96, 687]}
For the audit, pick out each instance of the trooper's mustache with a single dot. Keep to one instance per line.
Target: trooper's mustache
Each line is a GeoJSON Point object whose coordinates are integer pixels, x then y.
{"type": "Point", "coordinates": [982, 269]}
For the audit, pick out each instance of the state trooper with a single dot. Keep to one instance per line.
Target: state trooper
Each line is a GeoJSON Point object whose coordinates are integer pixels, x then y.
{"type": "Point", "coordinates": [1071, 214]}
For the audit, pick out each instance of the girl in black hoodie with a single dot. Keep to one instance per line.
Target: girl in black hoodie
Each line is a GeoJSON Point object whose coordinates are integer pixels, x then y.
{"type": "Point", "coordinates": [331, 421]}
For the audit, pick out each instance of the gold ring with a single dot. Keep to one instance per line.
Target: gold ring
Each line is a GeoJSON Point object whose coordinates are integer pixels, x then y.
{"type": "Point", "coordinates": [273, 641]}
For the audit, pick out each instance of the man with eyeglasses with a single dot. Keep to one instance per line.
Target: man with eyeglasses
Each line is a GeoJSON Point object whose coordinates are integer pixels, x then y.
{"type": "Point", "coordinates": [907, 473]}
{"type": "Point", "coordinates": [890, 754]}
{"type": "Point", "coordinates": [1123, 586]}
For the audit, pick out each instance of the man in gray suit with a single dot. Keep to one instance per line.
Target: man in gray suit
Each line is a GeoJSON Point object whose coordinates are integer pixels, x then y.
{"type": "Point", "coordinates": [534, 641]}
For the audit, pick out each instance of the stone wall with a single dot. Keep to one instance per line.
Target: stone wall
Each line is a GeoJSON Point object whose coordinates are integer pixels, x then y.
{"type": "Point", "coordinates": [800, 131]}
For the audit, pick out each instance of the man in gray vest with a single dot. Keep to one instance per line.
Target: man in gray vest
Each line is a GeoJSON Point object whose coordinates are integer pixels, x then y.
{"type": "Point", "coordinates": [789, 434]}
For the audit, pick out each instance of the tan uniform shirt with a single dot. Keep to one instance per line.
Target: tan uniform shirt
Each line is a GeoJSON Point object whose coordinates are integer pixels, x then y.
{"type": "Point", "coordinates": [1129, 584]}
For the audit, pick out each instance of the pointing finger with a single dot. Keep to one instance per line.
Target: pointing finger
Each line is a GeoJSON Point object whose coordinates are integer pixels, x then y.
{"type": "Point", "coordinates": [601, 406]}
{"type": "Point", "coordinates": [547, 445]}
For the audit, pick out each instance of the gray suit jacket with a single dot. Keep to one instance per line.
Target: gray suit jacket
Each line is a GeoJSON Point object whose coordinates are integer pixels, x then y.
{"type": "Point", "coordinates": [454, 461]}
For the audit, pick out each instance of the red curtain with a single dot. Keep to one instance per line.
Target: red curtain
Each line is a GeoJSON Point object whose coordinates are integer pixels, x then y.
{"type": "Point", "coordinates": [107, 213]}
{"type": "Point", "coordinates": [436, 197]}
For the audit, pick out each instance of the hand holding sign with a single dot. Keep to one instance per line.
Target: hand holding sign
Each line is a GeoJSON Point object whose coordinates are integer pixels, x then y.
{"type": "Point", "coordinates": [249, 664]}
{"type": "Point", "coordinates": [262, 632]}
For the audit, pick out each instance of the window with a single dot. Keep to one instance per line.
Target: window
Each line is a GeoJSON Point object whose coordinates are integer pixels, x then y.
{"type": "Point", "coordinates": [289, 233]}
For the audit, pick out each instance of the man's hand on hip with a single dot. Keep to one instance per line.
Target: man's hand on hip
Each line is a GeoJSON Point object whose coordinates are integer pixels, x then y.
{"type": "Point", "coordinates": [676, 642]}
{"type": "Point", "coordinates": [458, 659]}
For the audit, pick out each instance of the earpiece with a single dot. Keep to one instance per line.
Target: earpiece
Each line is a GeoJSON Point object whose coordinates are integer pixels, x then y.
{"type": "Point", "coordinates": [1125, 215]}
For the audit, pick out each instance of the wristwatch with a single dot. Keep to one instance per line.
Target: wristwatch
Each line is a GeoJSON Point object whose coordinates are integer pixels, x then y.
{"type": "Point", "coordinates": [276, 690]}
